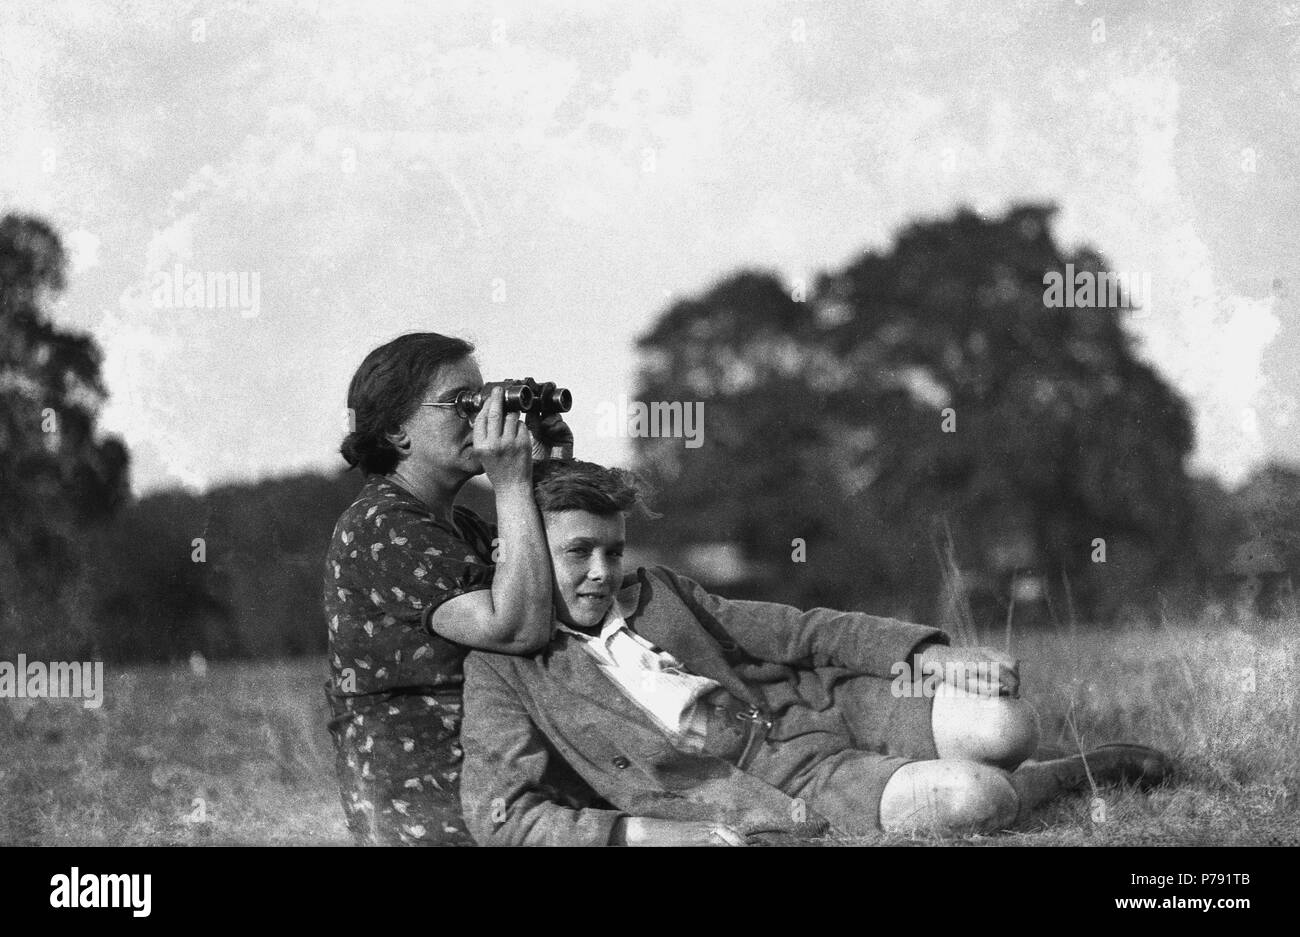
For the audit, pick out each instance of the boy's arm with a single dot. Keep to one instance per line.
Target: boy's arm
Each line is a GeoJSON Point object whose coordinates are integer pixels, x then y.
{"type": "Point", "coordinates": [819, 637]}
{"type": "Point", "coordinates": [505, 761]}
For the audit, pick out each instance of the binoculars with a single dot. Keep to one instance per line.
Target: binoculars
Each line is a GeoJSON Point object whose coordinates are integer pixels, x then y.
{"type": "Point", "coordinates": [526, 396]}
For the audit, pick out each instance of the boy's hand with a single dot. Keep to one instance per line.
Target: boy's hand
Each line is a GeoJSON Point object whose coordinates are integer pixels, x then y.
{"type": "Point", "coordinates": [552, 438]}
{"type": "Point", "coordinates": [645, 831]}
{"type": "Point", "coordinates": [987, 671]}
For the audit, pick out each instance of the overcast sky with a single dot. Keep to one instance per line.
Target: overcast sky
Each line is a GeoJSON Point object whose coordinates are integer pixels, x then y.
{"type": "Point", "coordinates": [542, 177]}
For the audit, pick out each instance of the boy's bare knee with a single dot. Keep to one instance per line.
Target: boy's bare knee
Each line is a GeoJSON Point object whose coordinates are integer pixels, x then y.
{"type": "Point", "coordinates": [1013, 734]}
{"type": "Point", "coordinates": [985, 800]}
{"type": "Point", "coordinates": [1001, 731]}
{"type": "Point", "coordinates": [946, 797]}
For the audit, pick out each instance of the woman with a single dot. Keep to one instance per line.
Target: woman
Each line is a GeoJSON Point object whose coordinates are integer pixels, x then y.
{"type": "Point", "coordinates": [413, 581]}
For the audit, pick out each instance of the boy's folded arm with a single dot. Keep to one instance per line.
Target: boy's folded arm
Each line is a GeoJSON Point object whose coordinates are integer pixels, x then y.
{"type": "Point", "coordinates": [506, 758]}
{"type": "Point", "coordinates": [818, 637]}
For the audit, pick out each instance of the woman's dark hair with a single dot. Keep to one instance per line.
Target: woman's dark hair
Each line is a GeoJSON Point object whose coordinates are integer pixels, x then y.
{"type": "Point", "coordinates": [572, 485]}
{"type": "Point", "coordinates": [386, 390]}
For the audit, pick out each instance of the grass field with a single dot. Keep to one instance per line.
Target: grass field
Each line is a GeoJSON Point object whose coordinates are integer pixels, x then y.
{"type": "Point", "coordinates": [240, 754]}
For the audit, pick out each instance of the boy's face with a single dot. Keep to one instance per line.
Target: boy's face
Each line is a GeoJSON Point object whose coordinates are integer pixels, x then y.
{"type": "Point", "coordinates": [587, 560]}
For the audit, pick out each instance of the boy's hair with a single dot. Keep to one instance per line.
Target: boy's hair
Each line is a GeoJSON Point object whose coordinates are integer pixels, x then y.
{"type": "Point", "coordinates": [573, 485]}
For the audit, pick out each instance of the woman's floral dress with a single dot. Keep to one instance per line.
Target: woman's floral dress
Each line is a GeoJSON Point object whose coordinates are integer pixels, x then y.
{"type": "Point", "coordinates": [395, 687]}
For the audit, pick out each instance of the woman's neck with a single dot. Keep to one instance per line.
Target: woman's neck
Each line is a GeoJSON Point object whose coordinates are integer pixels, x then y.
{"type": "Point", "coordinates": [438, 495]}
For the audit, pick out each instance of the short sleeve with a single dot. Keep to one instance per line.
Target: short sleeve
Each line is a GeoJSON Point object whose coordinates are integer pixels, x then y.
{"type": "Point", "coordinates": [411, 564]}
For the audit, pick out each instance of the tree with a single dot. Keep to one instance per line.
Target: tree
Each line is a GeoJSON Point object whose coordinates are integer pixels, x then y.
{"type": "Point", "coordinates": [921, 404]}
{"type": "Point", "coordinates": [1265, 557]}
{"type": "Point", "coordinates": [56, 478]}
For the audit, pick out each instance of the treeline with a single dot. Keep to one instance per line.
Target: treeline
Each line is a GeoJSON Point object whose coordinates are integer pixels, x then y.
{"type": "Point", "coordinates": [237, 572]}
{"type": "Point", "coordinates": [926, 431]}
{"type": "Point", "coordinates": [916, 434]}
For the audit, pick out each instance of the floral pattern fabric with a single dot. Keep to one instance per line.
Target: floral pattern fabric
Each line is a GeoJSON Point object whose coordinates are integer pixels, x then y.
{"type": "Point", "coordinates": [395, 686]}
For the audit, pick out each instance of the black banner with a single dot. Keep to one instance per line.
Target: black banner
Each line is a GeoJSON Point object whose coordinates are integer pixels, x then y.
{"type": "Point", "coordinates": [352, 888]}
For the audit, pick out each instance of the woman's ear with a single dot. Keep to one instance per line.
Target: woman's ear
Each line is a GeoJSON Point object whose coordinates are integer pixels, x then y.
{"type": "Point", "coordinates": [400, 441]}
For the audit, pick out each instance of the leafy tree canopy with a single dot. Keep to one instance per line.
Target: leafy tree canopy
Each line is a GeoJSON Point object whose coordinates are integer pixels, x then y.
{"type": "Point", "coordinates": [825, 419]}
{"type": "Point", "coordinates": [55, 475]}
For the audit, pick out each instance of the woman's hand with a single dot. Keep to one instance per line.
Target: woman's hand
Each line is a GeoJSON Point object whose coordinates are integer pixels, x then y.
{"type": "Point", "coordinates": [514, 616]}
{"type": "Point", "coordinates": [985, 671]}
{"type": "Point", "coordinates": [502, 443]}
{"type": "Point", "coordinates": [552, 438]}
{"type": "Point", "coordinates": [644, 831]}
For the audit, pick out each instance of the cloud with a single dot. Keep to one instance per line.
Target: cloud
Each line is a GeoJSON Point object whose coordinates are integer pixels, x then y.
{"type": "Point", "coordinates": [1211, 344]}
{"type": "Point", "coordinates": [83, 251]}
{"type": "Point", "coordinates": [384, 171]}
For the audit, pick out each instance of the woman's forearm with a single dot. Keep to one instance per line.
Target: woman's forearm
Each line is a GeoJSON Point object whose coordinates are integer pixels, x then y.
{"type": "Point", "coordinates": [521, 585]}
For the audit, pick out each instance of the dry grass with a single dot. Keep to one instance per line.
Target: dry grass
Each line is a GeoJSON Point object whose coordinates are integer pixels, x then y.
{"type": "Point", "coordinates": [249, 740]}
{"type": "Point", "coordinates": [1187, 690]}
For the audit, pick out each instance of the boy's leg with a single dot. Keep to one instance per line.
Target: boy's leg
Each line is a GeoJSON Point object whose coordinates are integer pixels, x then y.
{"type": "Point", "coordinates": [935, 764]}
{"type": "Point", "coordinates": [999, 731]}
{"type": "Point", "coordinates": [819, 757]}
{"type": "Point", "coordinates": [879, 720]}
{"type": "Point", "coordinates": [865, 792]}
{"type": "Point", "coordinates": [862, 793]}
{"type": "Point", "coordinates": [948, 796]}
{"type": "Point", "coordinates": [995, 730]}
